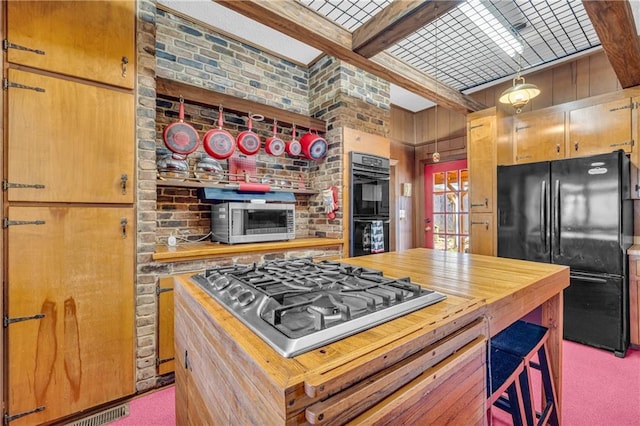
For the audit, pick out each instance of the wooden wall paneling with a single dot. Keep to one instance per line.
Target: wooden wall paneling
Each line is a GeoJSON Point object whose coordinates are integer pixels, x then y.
{"type": "Point", "coordinates": [418, 199]}
{"type": "Point", "coordinates": [404, 155]}
{"type": "Point", "coordinates": [442, 120]}
{"type": "Point", "coordinates": [457, 123]}
{"type": "Point", "coordinates": [544, 80]}
{"type": "Point", "coordinates": [582, 77]}
{"type": "Point", "coordinates": [424, 126]}
{"type": "Point", "coordinates": [602, 78]}
{"type": "Point", "coordinates": [564, 83]}
{"type": "Point", "coordinates": [402, 125]}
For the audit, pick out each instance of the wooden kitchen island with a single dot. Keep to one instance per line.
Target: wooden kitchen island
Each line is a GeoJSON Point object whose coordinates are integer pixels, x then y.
{"type": "Point", "coordinates": [424, 367]}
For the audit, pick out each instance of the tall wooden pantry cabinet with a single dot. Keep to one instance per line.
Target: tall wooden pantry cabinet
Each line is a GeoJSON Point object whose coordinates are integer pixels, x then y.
{"type": "Point", "coordinates": [68, 213]}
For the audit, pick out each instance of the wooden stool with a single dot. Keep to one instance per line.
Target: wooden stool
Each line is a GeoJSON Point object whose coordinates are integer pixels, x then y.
{"type": "Point", "coordinates": [525, 340]}
{"type": "Point", "coordinates": [504, 382]}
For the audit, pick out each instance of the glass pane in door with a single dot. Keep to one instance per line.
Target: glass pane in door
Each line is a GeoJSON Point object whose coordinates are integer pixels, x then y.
{"type": "Point", "coordinates": [447, 206]}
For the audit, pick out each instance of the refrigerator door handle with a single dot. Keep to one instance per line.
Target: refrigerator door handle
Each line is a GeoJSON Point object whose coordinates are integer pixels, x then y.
{"type": "Point", "coordinates": [589, 279]}
{"type": "Point", "coordinates": [543, 213]}
{"type": "Point", "coordinates": [556, 217]}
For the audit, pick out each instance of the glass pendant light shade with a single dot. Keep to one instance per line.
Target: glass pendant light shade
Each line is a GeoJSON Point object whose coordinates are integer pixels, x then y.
{"type": "Point", "coordinates": [519, 94]}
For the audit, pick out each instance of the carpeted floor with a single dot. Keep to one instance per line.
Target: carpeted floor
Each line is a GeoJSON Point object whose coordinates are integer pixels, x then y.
{"type": "Point", "coordinates": [599, 390]}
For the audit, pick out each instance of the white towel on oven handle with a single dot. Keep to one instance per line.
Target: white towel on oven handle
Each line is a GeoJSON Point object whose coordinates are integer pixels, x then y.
{"type": "Point", "coordinates": [377, 236]}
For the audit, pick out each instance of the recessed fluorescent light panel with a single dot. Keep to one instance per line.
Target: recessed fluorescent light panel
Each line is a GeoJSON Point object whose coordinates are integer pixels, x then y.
{"type": "Point", "coordinates": [480, 15]}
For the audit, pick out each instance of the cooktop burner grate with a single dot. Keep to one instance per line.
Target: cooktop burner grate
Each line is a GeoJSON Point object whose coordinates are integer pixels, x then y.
{"type": "Point", "coordinates": [299, 305]}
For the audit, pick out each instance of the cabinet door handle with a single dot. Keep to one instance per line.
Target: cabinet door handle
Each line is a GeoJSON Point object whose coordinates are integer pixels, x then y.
{"type": "Point", "coordinates": [558, 148]}
{"type": "Point", "coordinates": [485, 204]}
{"type": "Point", "coordinates": [125, 61]}
{"type": "Point", "coordinates": [123, 226]}
{"type": "Point", "coordinates": [123, 183]}
{"type": "Point", "coordinates": [485, 223]}
{"type": "Point", "coordinates": [576, 145]}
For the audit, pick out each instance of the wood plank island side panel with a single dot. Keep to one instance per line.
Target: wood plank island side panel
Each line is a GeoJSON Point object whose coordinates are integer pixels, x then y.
{"type": "Point", "coordinates": [453, 331]}
{"type": "Point", "coordinates": [449, 390]}
{"type": "Point", "coordinates": [249, 366]}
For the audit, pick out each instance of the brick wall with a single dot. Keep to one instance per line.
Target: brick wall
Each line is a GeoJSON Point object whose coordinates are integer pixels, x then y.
{"type": "Point", "coordinates": [172, 48]}
{"type": "Point", "coordinates": [180, 212]}
{"type": "Point", "coordinates": [193, 54]}
{"type": "Point", "coordinates": [145, 290]}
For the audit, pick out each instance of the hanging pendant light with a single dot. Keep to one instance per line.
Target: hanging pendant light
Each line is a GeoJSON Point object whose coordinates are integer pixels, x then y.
{"type": "Point", "coordinates": [436, 155]}
{"type": "Point", "coordinates": [521, 92]}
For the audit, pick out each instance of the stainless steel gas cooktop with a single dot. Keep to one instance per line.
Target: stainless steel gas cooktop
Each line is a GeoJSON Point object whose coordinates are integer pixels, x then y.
{"type": "Point", "coordinates": [298, 305]}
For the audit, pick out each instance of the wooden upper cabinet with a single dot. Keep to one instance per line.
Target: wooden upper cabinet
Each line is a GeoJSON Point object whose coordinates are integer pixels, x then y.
{"type": "Point", "coordinates": [74, 291]}
{"type": "Point", "coordinates": [539, 136]}
{"type": "Point", "coordinates": [69, 142]}
{"type": "Point", "coordinates": [481, 154]}
{"type": "Point", "coordinates": [601, 128]}
{"type": "Point", "coordinates": [94, 40]}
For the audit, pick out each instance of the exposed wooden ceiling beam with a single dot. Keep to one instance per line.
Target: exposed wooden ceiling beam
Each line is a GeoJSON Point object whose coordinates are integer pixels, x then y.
{"type": "Point", "coordinates": [295, 20]}
{"type": "Point", "coordinates": [395, 22]}
{"type": "Point", "coordinates": [615, 26]}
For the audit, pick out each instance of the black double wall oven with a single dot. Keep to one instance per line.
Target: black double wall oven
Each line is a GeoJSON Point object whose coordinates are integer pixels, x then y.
{"type": "Point", "coordinates": [370, 176]}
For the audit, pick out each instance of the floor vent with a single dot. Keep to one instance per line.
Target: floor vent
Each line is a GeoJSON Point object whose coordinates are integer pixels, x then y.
{"type": "Point", "coordinates": [103, 417]}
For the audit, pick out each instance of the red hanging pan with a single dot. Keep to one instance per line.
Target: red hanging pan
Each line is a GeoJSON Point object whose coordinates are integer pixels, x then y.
{"type": "Point", "coordinates": [314, 147]}
{"type": "Point", "coordinates": [219, 143]}
{"type": "Point", "coordinates": [293, 147]}
{"type": "Point", "coordinates": [181, 138]}
{"type": "Point", "coordinates": [248, 141]}
{"type": "Point", "coordinates": [274, 145]}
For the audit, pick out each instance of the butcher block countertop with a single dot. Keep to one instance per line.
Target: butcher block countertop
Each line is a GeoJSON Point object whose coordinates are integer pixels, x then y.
{"type": "Point", "coordinates": [492, 290]}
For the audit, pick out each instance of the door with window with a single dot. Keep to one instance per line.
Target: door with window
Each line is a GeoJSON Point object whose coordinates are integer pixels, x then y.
{"type": "Point", "coordinates": [446, 221]}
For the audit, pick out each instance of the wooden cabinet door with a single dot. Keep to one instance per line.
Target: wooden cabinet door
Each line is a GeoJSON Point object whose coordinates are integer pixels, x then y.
{"type": "Point", "coordinates": [481, 154]}
{"type": "Point", "coordinates": [74, 140]}
{"type": "Point", "coordinates": [76, 269]}
{"type": "Point", "coordinates": [165, 344]}
{"type": "Point", "coordinates": [600, 128]}
{"type": "Point", "coordinates": [87, 39]}
{"type": "Point", "coordinates": [481, 234]}
{"type": "Point", "coordinates": [539, 136]}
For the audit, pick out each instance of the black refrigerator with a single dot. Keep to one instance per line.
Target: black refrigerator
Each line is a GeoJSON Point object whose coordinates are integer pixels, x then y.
{"type": "Point", "coordinates": [576, 212]}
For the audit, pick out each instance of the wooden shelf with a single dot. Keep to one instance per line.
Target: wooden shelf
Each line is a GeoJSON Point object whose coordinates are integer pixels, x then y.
{"type": "Point", "coordinates": [226, 186]}
{"type": "Point", "coordinates": [205, 250]}
{"type": "Point", "coordinates": [210, 99]}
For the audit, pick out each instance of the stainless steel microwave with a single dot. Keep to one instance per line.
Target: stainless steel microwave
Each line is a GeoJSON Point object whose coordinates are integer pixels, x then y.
{"type": "Point", "coordinates": [233, 223]}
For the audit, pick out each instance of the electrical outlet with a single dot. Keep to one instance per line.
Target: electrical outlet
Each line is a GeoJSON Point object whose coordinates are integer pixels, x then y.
{"type": "Point", "coordinates": [402, 213]}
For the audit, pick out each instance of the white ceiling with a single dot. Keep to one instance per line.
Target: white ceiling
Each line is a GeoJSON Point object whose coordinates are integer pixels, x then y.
{"type": "Point", "coordinates": [240, 27]}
